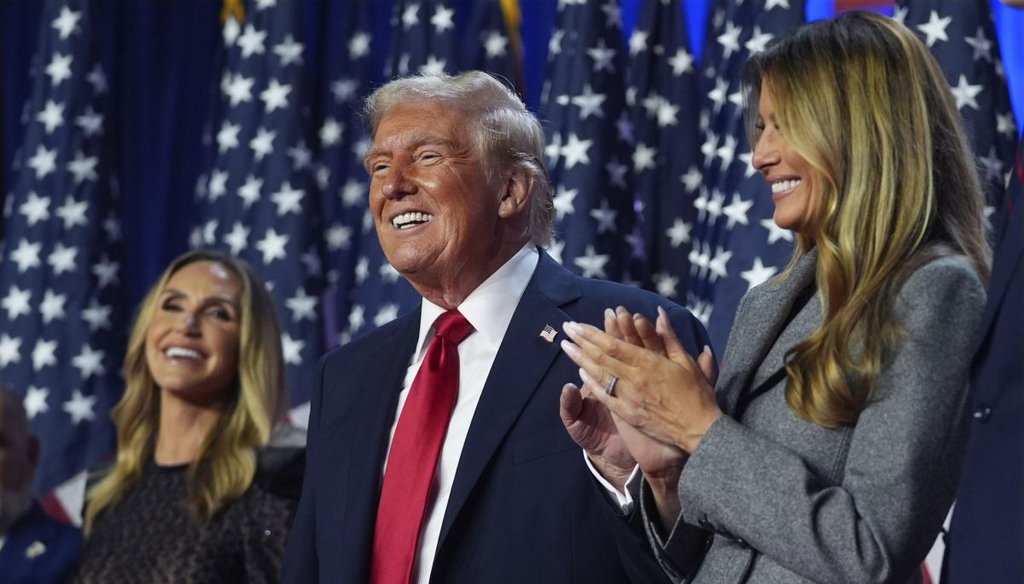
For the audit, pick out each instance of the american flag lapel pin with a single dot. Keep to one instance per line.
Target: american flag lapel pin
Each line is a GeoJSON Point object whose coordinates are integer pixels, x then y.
{"type": "Point", "coordinates": [548, 334]}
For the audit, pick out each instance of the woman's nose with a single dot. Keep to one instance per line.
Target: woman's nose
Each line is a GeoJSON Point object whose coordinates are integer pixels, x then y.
{"type": "Point", "coordinates": [188, 323]}
{"type": "Point", "coordinates": [765, 153]}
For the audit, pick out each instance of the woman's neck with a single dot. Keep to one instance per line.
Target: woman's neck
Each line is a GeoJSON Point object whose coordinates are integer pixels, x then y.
{"type": "Point", "coordinates": [183, 428]}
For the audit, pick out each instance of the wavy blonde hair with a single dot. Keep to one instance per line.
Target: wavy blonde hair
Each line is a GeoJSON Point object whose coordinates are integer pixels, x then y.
{"type": "Point", "coordinates": [865, 103]}
{"type": "Point", "coordinates": [226, 463]}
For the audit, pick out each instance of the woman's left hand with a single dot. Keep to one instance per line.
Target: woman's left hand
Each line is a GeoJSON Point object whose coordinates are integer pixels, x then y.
{"type": "Point", "coordinates": [667, 398]}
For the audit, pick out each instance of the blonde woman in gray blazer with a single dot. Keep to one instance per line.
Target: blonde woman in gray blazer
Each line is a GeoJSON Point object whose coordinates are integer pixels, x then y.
{"type": "Point", "coordinates": [829, 449]}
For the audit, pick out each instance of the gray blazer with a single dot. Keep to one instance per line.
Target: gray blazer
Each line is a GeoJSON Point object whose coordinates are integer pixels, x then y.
{"type": "Point", "coordinates": [770, 497]}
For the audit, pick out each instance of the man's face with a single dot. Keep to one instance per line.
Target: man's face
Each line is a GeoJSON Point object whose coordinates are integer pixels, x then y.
{"type": "Point", "coordinates": [435, 211]}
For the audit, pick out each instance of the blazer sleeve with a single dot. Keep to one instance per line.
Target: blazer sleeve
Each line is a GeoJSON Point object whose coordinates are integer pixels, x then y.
{"type": "Point", "coordinates": [898, 479]}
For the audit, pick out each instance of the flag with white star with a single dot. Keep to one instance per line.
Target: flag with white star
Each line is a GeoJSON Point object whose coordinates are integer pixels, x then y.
{"type": "Point", "coordinates": [590, 141]}
{"type": "Point", "coordinates": [62, 307]}
{"type": "Point", "coordinates": [666, 159]}
{"type": "Point", "coordinates": [736, 244]}
{"type": "Point", "coordinates": [429, 37]}
{"type": "Point", "coordinates": [258, 198]}
{"type": "Point", "coordinates": [963, 39]}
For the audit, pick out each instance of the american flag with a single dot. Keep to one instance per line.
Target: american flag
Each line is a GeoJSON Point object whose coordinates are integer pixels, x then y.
{"type": "Point", "coordinates": [258, 199]}
{"type": "Point", "coordinates": [62, 306]}
{"type": "Point", "coordinates": [590, 141]}
{"type": "Point", "coordinates": [666, 161]}
{"type": "Point", "coordinates": [428, 37]}
{"type": "Point", "coordinates": [962, 37]}
{"type": "Point", "coordinates": [736, 244]}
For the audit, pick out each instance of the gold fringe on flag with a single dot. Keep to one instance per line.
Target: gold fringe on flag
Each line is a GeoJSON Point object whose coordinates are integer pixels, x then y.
{"type": "Point", "coordinates": [233, 9]}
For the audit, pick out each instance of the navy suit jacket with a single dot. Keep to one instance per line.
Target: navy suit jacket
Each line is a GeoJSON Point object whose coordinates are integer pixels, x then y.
{"type": "Point", "coordinates": [986, 537]}
{"type": "Point", "coordinates": [523, 507]}
{"type": "Point", "coordinates": [39, 550]}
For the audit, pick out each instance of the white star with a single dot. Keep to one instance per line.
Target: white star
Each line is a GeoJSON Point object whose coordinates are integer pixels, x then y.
{"type": "Point", "coordinates": [292, 349]}
{"type": "Point", "coordinates": [602, 57]}
{"type": "Point", "coordinates": [965, 93]}
{"type": "Point", "coordinates": [900, 14]}
{"type": "Point", "coordinates": [238, 238]}
{"type": "Point", "coordinates": [638, 42]}
{"type": "Point", "coordinates": [10, 350]}
{"type": "Point", "coordinates": [410, 16]}
{"type": "Point", "coordinates": [62, 259]}
{"type": "Point", "coordinates": [605, 217]}
{"type": "Point", "coordinates": [612, 12]}
{"type": "Point", "coordinates": [717, 264]}
{"type": "Point", "coordinates": [239, 90]}
{"type": "Point", "coordinates": [112, 226]}
{"type": "Point", "coordinates": [97, 315]}
{"type": "Point", "coordinates": [16, 303]}
{"type": "Point", "coordinates": [692, 179]}
{"type": "Point", "coordinates": [1005, 125]}
{"type": "Point", "coordinates": [679, 233]}
{"type": "Point", "coordinates": [105, 271]}
{"type": "Point", "coordinates": [591, 263]}
{"type": "Point", "coordinates": [301, 156]}
{"type": "Point", "coordinates": [275, 96]}
{"type": "Point", "coordinates": [617, 173]}
{"type": "Point", "coordinates": [681, 62]}
{"type": "Point", "coordinates": [44, 354]}
{"type": "Point", "coordinates": [52, 116]}
{"type": "Point", "coordinates": [352, 192]}
{"type": "Point", "coordinates": [769, 4]}
{"type": "Point", "coordinates": [35, 209]}
{"type": "Point", "coordinates": [289, 51]}
{"type": "Point", "coordinates": [495, 44]}
{"type": "Point", "coordinates": [736, 211]}
{"type": "Point", "coordinates": [35, 401]}
{"type": "Point", "coordinates": [433, 67]}
{"type": "Point", "coordinates": [356, 318]}
{"type": "Point", "coordinates": [311, 259]}
{"type": "Point", "coordinates": [218, 184]}
{"type": "Point", "coordinates": [26, 255]}
{"type": "Point", "coordinates": [563, 201]}
{"type": "Point", "coordinates": [667, 113]}
{"type": "Point", "coordinates": [264, 4]}
{"type": "Point", "coordinates": [43, 162]}
{"type": "Point", "coordinates": [83, 168]}
{"type": "Point", "coordinates": [288, 199]}
{"type": "Point", "coordinates": [727, 151]}
{"type": "Point", "coordinates": [52, 306]}
{"type": "Point", "coordinates": [935, 28]}
{"type": "Point", "coordinates": [98, 79]}
{"type": "Point", "coordinates": [344, 89]}
{"type": "Point", "coordinates": [714, 206]}
{"type": "Point", "coordinates": [90, 122]}
{"type": "Point", "coordinates": [589, 103]}
{"type": "Point", "coordinates": [67, 22]}
{"type": "Point", "coordinates": [388, 273]}
{"type": "Point", "coordinates": [262, 144]}
{"type": "Point", "coordinates": [553, 149]}
{"type": "Point", "coordinates": [272, 246]}
{"type": "Point", "coordinates": [209, 232]}
{"type": "Point", "coordinates": [339, 237]}
{"type": "Point", "coordinates": [251, 41]}
{"type": "Point", "coordinates": [555, 250]}
{"type": "Point", "coordinates": [643, 157]}
{"type": "Point", "coordinates": [992, 164]}
{"type": "Point", "coordinates": [362, 270]}
{"type": "Point", "coordinates": [330, 132]}
{"type": "Point", "coordinates": [442, 19]}
{"type": "Point", "coordinates": [59, 68]}
{"type": "Point", "coordinates": [982, 46]}
{"type": "Point", "coordinates": [758, 273]}
{"type": "Point", "coordinates": [79, 407]}
{"type": "Point", "coordinates": [89, 362]}
{"type": "Point", "coordinates": [665, 284]}
{"type": "Point", "coordinates": [359, 45]}
{"type": "Point", "coordinates": [730, 39]}
{"type": "Point", "coordinates": [719, 94]}
{"type": "Point", "coordinates": [555, 43]}
{"type": "Point", "coordinates": [250, 191]}
{"type": "Point", "coordinates": [302, 305]}
{"type": "Point", "coordinates": [775, 232]}
{"type": "Point", "coordinates": [385, 314]}
{"type": "Point", "coordinates": [758, 41]}
{"type": "Point", "coordinates": [575, 151]}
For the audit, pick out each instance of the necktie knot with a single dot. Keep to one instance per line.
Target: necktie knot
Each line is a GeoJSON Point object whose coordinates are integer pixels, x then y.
{"type": "Point", "coordinates": [453, 326]}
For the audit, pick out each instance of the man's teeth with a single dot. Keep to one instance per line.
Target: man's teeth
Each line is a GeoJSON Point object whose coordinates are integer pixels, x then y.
{"type": "Point", "coordinates": [785, 185]}
{"type": "Point", "coordinates": [409, 219]}
{"type": "Point", "coordinates": [182, 352]}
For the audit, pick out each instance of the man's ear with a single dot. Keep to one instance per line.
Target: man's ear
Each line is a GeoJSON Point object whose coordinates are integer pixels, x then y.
{"type": "Point", "coordinates": [515, 196]}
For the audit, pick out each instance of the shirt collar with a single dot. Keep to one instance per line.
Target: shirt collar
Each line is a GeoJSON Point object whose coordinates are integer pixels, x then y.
{"type": "Point", "coordinates": [490, 306]}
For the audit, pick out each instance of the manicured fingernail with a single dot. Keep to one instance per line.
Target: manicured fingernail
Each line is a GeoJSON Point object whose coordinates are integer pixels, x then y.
{"type": "Point", "coordinates": [569, 348]}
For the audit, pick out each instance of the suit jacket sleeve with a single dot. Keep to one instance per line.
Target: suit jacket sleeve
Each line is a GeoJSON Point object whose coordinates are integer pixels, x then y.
{"type": "Point", "coordinates": [878, 520]}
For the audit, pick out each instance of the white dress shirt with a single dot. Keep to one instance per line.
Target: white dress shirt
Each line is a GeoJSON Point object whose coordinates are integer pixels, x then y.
{"type": "Point", "coordinates": [489, 309]}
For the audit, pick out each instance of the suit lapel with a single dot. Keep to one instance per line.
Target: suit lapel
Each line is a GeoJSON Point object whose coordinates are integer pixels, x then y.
{"type": "Point", "coordinates": [522, 361]}
{"type": "Point", "coordinates": [764, 313]}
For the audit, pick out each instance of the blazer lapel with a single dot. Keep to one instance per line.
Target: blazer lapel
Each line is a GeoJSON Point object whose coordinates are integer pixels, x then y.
{"type": "Point", "coordinates": [765, 312]}
{"type": "Point", "coordinates": [522, 361]}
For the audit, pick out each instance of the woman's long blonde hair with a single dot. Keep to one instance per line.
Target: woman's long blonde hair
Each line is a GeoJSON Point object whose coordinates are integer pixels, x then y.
{"type": "Point", "coordinates": [865, 103]}
{"type": "Point", "coordinates": [226, 463]}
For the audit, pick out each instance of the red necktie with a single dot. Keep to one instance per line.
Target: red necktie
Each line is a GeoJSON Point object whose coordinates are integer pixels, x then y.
{"type": "Point", "coordinates": [412, 461]}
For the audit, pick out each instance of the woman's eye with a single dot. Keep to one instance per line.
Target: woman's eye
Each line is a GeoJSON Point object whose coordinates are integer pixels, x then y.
{"type": "Point", "coordinates": [220, 314]}
{"type": "Point", "coordinates": [170, 306]}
